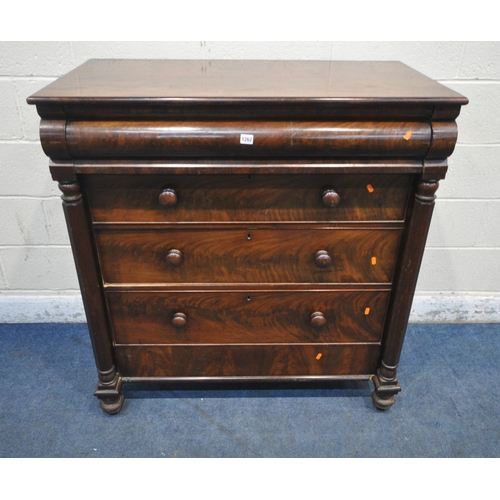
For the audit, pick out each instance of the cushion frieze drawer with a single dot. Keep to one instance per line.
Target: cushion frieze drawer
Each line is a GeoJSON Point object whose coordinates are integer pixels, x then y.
{"type": "Point", "coordinates": [221, 198]}
{"type": "Point", "coordinates": [247, 360]}
{"type": "Point", "coordinates": [206, 317]}
{"type": "Point", "coordinates": [322, 255]}
{"type": "Point", "coordinates": [173, 139]}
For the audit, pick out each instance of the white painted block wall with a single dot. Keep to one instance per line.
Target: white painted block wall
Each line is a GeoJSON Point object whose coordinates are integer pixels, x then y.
{"type": "Point", "coordinates": [460, 277]}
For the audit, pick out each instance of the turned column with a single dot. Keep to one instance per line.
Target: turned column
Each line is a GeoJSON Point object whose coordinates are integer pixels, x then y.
{"type": "Point", "coordinates": [109, 384]}
{"type": "Point", "coordinates": [420, 213]}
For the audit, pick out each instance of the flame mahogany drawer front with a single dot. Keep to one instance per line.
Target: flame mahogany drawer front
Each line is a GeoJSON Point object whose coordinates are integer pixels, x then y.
{"type": "Point", "coordinates": [245, 255]}
{"type": "Point", "coordinates": [240, 198]}
{"type": "Point", "coordinates": [247, 317]}
{"type": "Point", "coordinates": [257, 361]}
{"type": "Point", "coordinates": [247, 220]}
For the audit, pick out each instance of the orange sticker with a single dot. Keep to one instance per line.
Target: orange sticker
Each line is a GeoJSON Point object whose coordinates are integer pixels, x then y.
{"type": "Point", "coordinates": [370, 188]}
{"type": "Point", "coordinates": [374, 260]}
{"type": "Point", "coordinates": [319, 356]}
{"type": "Point", "coordinates": [407, 135]}
{"type": "Point", "coordinates": [367, 311]}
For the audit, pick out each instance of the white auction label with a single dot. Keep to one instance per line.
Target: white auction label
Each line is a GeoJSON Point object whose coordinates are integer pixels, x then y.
{"type": "Point", "coordinates": [246, 138]}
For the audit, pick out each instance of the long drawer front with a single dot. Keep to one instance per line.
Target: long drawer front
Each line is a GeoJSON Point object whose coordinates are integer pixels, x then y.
{"type": "Point", "coordinates": [233, 198]}
{"type": "Point", "coordinates": [217, 317]}
{"type": "Point", "coordinates": [173, 139]}
{"type": "Point", "coordinates": [319, 255]}
{"type": "Point", "coordinates": [247, 360]}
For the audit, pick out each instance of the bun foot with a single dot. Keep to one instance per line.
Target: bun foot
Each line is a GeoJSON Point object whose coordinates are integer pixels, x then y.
{"type": "Point", "coordinates": [382, 403]}
{"type": "Point", "coordinates": [110, 398]}
{"type": "Point", "coordinates": [384, 394]}
{"type": "Point", "coordinates": [112, 407]}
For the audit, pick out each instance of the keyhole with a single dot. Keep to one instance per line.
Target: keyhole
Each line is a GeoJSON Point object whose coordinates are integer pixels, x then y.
{"type": "Point", "coordinates": [249, 298]}
{"type": "Point", "coordinates": [249, 236]}
{"type": "Point", "coordinates": [249, 176]}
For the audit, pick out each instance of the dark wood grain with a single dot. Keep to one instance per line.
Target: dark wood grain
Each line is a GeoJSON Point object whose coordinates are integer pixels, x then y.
{"type": "Point", "coordinates": [444, 138]}
{"type": "Point", "coordinates": [225, 90]}
{"type": "Point", "coordinates": [249, 166]}
{"type": "Point", "coordinates": [212, 198]}
{"type": "Point", "coordinates": [412, 250]}
{"type": "Point", "coordinates": [53, 139]}
{"type": "Point", "coordinates": [142, 81]}
{"type": "Point", "coordinates": [201, 258]}
{"type": "Point", "coordinates": [247, 360]}
{"type": "Point", "coordinates": [109, 380]}
{"type": "Point", "coordinates": [247, 255]}
{"type": "Point", "coordinates": [247, 316]}
{"type": "Point", "coordinates": [415, 235]}
{"type": "Point", "coordinates": [247, 109]}
{"type": "Point", "coordinates": [88, 275]}
{"type": "Point", "coordinates": [111, 139]}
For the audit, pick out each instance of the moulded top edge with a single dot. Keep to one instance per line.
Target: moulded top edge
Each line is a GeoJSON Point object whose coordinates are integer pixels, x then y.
{"type": "Point", "coordinates": [223, 81]}
{"type": "Point", "coordinates": [235, 100]}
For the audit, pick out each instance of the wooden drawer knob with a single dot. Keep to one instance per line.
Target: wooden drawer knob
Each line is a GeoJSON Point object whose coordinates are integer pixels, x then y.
{"type": "Point", "coordinates": [174, 258]}
{"type": "Point", "coordinates": [179, 320]}
{"type": "Point", "coordinates": [331, 198]}
{"type": "Point", "coordinates": [168, 197]}
{"type": "Point", "coordinates": [318, 319]}
{"type": "Point", "coordinates": [322, 259]}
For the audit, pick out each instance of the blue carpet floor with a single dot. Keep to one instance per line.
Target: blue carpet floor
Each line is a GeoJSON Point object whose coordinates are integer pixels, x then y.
{"type": "Point", "coordinates": [449, 406]}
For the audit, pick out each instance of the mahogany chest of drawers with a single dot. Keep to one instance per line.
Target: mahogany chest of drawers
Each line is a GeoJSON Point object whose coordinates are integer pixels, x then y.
{"type": "Point", "coordinates": [247, 220]}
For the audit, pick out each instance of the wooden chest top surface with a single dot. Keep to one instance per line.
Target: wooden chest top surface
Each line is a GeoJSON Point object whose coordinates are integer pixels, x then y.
{"type": "Point", "coordinates": [163, 80]}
